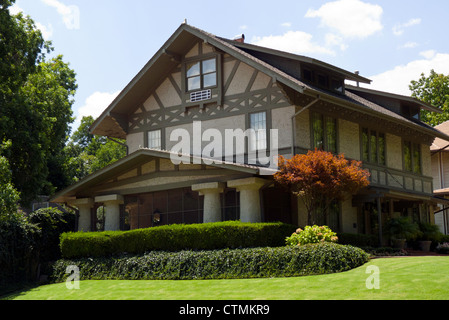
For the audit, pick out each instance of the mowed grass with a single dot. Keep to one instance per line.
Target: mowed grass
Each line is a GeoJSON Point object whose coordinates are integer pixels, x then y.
{"type": "Point", "coordinates": [401, 278]}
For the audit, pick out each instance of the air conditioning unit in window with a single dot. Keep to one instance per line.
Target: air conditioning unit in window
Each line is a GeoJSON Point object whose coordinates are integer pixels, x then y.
{"type": "Point", "coordinates": [200, 95]}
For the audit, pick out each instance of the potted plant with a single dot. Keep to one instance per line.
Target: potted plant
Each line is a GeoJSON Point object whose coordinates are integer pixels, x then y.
{"type": "Point", "coordinates": [400, 230]}
{"type": "Point", "coordinates": [428, 233]}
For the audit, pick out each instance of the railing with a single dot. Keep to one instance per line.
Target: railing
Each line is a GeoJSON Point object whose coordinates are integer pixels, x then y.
{"type": "Point", "coordinates": [399, 180]}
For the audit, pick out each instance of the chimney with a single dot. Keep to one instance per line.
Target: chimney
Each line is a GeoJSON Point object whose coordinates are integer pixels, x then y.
{"type": "Point", "coordinates": [240, 38]}
{"type": "Point", "coordinates": [357, 73]}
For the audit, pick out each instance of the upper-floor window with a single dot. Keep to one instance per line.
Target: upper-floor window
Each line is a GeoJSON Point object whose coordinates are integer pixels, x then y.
{"type": "Point", "coordinates": [324, 132]}
{"type": "Point", "coordinates": [258, 122]}
{"type": "Point", "coordinates": [201, 74]}
{"type": "Point", "coordinates": [412, 157]}
{"type": "Point", "coordinates": [155, 139]}
{"type": "Point", "coordinates": [373, 146]}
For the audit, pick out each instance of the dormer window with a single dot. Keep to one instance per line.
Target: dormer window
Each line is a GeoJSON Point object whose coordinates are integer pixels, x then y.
{"type": "Point", "coordinates": [323, 80]}
{"type": "Point", "coordinates": [201, 74]}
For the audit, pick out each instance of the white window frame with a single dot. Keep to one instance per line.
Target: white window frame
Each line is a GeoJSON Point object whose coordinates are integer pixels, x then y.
{"type": "Point", "coordinates": [155, 139]}
{"type": "Point", "coordinates": [258, 122]}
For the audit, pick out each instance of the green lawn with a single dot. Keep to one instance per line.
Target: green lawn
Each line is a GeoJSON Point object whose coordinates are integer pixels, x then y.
{"type": "Point", "coordinates": [401, 278]}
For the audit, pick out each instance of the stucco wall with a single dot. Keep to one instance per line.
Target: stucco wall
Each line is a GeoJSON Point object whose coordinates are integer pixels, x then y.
{"type": "Point", "coordinates": [281, 120]}
{"type": "Point", "coordinates": [394, 151]}
{"type": "Point", "coordinates": [135, 141]}
{"type": "Point", "coordinates": [349, 139]}
{"type": "Point", "coordinates": [303, 129]}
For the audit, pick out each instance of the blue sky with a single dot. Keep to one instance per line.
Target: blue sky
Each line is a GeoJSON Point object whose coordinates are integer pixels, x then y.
{"type": "Point", "coordinates": [107, 42]}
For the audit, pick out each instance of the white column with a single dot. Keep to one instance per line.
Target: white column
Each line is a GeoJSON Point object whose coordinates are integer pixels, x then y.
{"type": "Point", "coordinates": [250, 210]}
{"type": "Point", "coordinates": [212, 202]}
{"type": "Point", "coordinates": [112, 211]}
{"type": "Point", "coordinates": [84, 209]}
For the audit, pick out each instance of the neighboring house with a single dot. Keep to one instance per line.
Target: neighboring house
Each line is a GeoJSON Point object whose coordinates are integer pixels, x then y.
{"type": "Point", "coordinates": [440, 172]}
{"type": "Point", "coordinates": [228, 84]}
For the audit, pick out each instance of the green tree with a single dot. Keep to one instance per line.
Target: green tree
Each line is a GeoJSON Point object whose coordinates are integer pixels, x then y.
{"type": "Point", "coordinates": [88, 153]}
{"type": "Point", "coordinates": [433, 90]}
{"type": "Point", "coordinates": [9, 196]}
{"type": "Point", "coordinates": [36, 96]}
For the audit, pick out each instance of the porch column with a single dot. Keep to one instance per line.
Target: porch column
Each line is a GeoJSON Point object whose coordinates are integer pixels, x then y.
{"type": "Point", "coordinates": [84, 209]}
{"type": "Point", "coordinates": [112, 211]}
{"type": "Point", "coordinates": [212, 203]}
{"type": "Point", "coordinates": [250, 210]}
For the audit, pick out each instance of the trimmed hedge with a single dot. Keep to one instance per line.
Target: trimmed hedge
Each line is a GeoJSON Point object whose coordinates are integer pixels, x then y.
{"type": "Point", "coordinates": [208, 236]}
{"type": "Point", "coordinates": [358, 240]}
{"type": "Point", "coordinates": [304, 260]}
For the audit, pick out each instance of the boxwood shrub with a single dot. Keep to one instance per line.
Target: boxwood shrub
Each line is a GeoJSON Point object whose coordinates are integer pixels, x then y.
{"type": "Point", "coordinates": [285, 261]}
{"type": "Point", "coordinates": [208, 236]}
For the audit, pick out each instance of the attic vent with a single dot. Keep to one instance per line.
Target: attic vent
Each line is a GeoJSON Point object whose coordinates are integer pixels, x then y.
{"type": "Point", "coordinates": [200, 95]}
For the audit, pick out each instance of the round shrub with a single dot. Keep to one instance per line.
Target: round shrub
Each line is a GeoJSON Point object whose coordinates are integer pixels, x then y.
{"type": "Point", "coordinates": [311, 234]}
{"type": "Point", "coordinates": [322, 258]}
{"type": "Point", "coordinates": [52, 222]}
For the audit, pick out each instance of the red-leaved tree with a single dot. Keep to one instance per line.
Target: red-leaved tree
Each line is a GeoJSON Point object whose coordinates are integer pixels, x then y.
{"type": "Point", "coordinates": [319, 178]}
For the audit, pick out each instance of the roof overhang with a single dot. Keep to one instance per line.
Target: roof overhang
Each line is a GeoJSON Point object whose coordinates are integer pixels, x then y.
{"type": "Point", "coordinates": [347, 75]}
{"type": "Point", "coordinates": [396, 97]}
{"type": "Point", "coordinates": [144, 155]}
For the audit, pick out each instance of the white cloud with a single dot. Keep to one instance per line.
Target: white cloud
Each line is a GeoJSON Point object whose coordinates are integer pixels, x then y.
{"type": "Point", "coordinates": [350, 18]}
{"type": "Point", "coordinates": [428, 54]}
{"type": "Point", "coordinates": [409, 45]}
{"type": "Point", "coordinates": [70, 14]}
{"type": "Point", "coordinates": [298, 42]}
{"type": "Point", "coordinates": [15, 9]}
{"type": "Point", "coordinates": [47, 31]}
{"type": "Point", "coordinates": [398, 79]}
{"type": "Point", "coordinates": [94, 106]}
{"type": "Point", "coordinates": [286, 24]}
{"type": "Point", "coordinates": [335, 40]}
{"type": "Point", "coordinates": [399, 28]}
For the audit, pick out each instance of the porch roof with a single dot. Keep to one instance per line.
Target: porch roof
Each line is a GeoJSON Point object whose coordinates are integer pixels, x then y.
{"type": "Point", "coordinates": [143, 155]}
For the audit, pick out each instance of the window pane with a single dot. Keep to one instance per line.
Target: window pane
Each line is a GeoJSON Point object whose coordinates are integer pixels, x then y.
{"type": "Point", "coordinates": [154, 139]}
{"type": "Point", "coordinates": [381, 143]}
{"type": "Point", "coordinates": [210, 80]}
{"type": "Point", "coordinates": [194, 83]}
{"type": "Point", "coordinates": [209, 66]}
{"type": "Point", "coordinates": [373, 146]}
{"type": "Point", "coordinates": [365, 145]}
{"type": "Point", "coordinates": [193, 69]}
{"type": "Point", "coordinates": [331, 132]}
{"type": "Point", "coordinates": [259, 124]}
{"type": "Point", "coordinates": [318, 136]}
{"type": "Point", "coordinates": [407, 156]}
{"type": "Point", "coordinates": [416, 158]}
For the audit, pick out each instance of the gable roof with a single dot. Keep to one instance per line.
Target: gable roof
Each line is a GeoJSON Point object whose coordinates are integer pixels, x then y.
{"type": "Point", "coordinates": [114, 119]}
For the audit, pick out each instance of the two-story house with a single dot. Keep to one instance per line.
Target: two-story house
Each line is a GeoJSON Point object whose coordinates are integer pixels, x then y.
{"type": "Point", "coordinates": [197, 83]}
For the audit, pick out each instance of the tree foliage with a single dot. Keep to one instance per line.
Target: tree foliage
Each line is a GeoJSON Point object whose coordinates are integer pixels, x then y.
{"type": "Point", "coordinates": [9, 196]}
{"type": "Point", "coordinates": [87, 153]}
{"type": "Point", "coordinates": [36, 96]}
{"type": "Point", "coordinates": [319, 177]}
{"type": "Point", "coordinates": [433, 90]}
